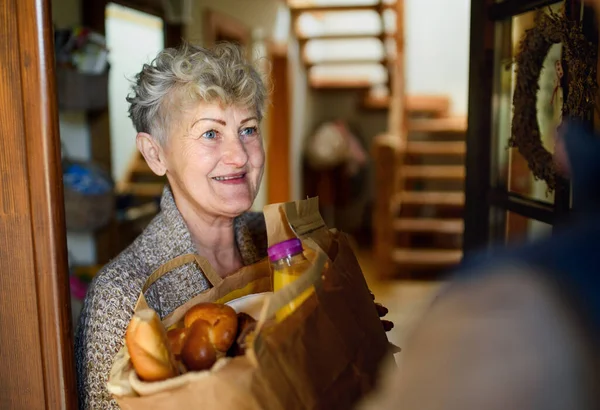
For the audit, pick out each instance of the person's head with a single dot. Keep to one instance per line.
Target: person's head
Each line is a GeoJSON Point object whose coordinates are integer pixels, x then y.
{"type": "Point", "coordinates": [197, 112]}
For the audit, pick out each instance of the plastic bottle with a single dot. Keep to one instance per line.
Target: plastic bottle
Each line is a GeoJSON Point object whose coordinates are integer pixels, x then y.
{"type": "Point", "coordinates": [289, 263]}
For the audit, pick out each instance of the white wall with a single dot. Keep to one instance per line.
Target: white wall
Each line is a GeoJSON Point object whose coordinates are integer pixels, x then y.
{"type": "Point", "coordinates": [133, 38]}
{"type": "Point", "coordinates": [437, 49]}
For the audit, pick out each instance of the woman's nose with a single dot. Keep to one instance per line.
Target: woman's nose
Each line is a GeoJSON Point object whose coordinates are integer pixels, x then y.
{"type": "Point", "coordinates": [235, 153]}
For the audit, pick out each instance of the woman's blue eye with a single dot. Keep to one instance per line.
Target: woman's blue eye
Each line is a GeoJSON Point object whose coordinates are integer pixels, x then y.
{"type": "Point", "coordinates": [247, 132]}
{"type": "Point", "coordinates": [210, 135]}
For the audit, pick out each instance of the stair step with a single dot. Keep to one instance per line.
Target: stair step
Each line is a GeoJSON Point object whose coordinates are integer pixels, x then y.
{"type": "Point", "coordinates": [303, 37]}
{"type": "Point", "coordinates": [427, 257]}
{"type": "Point", "coordinates": [436, 148]}
{"type": "Point", "coordinates": [450, 198]}
{"type": "Point", "coordinates": [347, 62]}
{"type": "Point", "coordinates": [432, 171]}
{"type": "Point", "coordinates": [311, 8]}
{"type": "Point", "coordinates": [141, 167]}
{"type": "Point", "coordinates": [429, 105]}
{"type": "Point", "coordinates": [447, 124]}
{"type": "Point", "coordinates": [360, 83]}
{"type": "Point", "coordinates": [143, 189]}
{"type": "Point", "coordinates": [434, 225]}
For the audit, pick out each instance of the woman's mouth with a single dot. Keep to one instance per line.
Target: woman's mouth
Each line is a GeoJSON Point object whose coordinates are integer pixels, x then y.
{"type": "Point", "coordinates": [231, 179]}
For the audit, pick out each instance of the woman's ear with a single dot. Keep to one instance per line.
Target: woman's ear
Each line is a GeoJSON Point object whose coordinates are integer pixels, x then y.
{"type": "Point", "coordinates": [152, 152]}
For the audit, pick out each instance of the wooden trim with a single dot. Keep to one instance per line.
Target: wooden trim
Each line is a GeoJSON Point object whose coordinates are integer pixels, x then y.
{"type": "Point", "coordinates": [149, 7]}
{"type": "Point", "coordinates": [173, 34]}
{"type": "Point", "coordinates": [37, 346]}
{"type": "Point", "coordinates": [521, 205]}
{"type": "Point", "coordinates": [216, 22]}
{"type": "Point", "coordinates": [478, 157]}
{"type": "Point", "coordinates": [278, 153]}
{"type": "Point", "coordinates": [151, 22]}
{"type": "Point", "coordinates": [509, 8]}
{"type": "Point", "coordinates": [323, 9]}
{"type": "Point", "coordinates": [277, 49]}
{"type": "Point", "coordinates": [430, 105]}
{"type": "Point", "coordinates": [364, 62]}
{"type": "Point", "coordinates": [303, 37]}
{"type": "Point", "coordinates": [330, 83]}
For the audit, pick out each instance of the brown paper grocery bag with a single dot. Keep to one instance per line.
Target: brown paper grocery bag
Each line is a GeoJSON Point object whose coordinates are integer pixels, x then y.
{"type": "Point", "coordinates": [325, 355]}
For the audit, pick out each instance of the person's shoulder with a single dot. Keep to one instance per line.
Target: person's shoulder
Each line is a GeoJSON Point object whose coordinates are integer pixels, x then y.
{"type": "Point", "coordinates": [252, 222]}
{"type": "Point", "coordinates": [253, 219]}
{"type": "Point", "coordinates": [251, 236]}
{"type": "Point", "coordinates": [119, 282]}
{"type": "Point", "coordinates": [124, 275]}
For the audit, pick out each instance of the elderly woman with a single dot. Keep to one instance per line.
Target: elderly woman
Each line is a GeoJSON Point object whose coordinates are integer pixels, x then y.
{"type": "Point", "coordinates": [197, 113]}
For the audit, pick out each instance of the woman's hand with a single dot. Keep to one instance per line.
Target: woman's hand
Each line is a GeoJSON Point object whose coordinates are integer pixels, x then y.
{"type": "Point", "coordinates": [382, 311]}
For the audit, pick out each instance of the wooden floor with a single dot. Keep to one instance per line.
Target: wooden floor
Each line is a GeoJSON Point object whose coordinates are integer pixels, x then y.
{"type": "Point", "coordinates": [405, 299]}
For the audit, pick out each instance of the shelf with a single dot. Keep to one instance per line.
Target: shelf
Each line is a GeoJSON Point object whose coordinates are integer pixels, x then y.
{"type": "Point", "coordinates": [81, 92]}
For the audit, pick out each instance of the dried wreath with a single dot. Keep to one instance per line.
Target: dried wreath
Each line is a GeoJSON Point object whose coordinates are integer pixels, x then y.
{"type": "Point", "coordinates": [579, 54]}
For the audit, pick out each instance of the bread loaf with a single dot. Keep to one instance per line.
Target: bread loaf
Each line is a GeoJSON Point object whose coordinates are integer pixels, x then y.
{"type": "Point", "coordinates": [148, 346]}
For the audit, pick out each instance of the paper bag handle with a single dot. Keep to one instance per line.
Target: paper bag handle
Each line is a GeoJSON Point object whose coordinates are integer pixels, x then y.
{"type": "Point", "coordinates": [291, 291]}
{"type": "Point", "coordinates": [179, 261]}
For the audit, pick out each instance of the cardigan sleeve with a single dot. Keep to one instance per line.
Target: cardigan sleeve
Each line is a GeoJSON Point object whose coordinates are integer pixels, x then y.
{"type": "Point", "coordinates": [102, 324]}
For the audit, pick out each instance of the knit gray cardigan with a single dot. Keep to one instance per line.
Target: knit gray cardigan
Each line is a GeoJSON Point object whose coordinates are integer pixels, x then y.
{"type": "Point", "coordinates": [109, 302]}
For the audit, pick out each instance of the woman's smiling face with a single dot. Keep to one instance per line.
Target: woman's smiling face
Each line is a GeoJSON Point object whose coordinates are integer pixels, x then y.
{"type": "Point", "coordinates": [214, 158]}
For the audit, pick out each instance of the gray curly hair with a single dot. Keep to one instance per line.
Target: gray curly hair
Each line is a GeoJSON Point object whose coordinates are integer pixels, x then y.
{"type": "Point", "coordinates": [180, 76]}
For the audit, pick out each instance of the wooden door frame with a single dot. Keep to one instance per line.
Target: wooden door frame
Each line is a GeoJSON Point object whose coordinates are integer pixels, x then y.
{"type": "Point", "coordinates": [216, 21]}
{"type": "Point", "coordinates": [278, 178]}
{"type": "Point", "coordinates": [38, 369]}
{"type": "Point", "coordinates": [481, 196]}
{"type": "Point", "coordinates": [93, 16]}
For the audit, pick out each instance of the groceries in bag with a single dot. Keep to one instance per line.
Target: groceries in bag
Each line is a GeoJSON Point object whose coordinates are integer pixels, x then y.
{"type": "Point", "coordinates": [324, 355]}
{"type": "Point", "coordinates": [210, 331]}
{"type": "Point", "coordinates": [288, 263]}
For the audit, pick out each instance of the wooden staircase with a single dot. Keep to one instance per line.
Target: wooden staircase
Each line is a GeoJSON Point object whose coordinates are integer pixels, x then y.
{"type": "Point", "coordinates": [379, 36]}
{"type": "Point", "coordinates": [140, 191]}
{"type": "Point", "coordinates": [419, 162]}
{"type": "Point", "coordinates": [140, 181]}
{"type": "Point", "coordinates": [418, 220]}
{"type": "Point", "coordinates": [426, 205]}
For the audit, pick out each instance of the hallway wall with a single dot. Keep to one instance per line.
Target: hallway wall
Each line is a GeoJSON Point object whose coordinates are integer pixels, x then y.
{"type": "Point", "coordinates": [145, 39]}
{"type": "Point", "coordinates": [437, 49]}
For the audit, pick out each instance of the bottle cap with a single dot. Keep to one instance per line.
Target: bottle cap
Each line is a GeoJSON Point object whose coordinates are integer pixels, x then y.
{"type": "Point", "coordinates": [285, 249]}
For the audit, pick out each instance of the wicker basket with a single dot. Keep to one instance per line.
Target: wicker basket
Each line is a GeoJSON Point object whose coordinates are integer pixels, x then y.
{"type": "Point", "coordinates": [86, 211]}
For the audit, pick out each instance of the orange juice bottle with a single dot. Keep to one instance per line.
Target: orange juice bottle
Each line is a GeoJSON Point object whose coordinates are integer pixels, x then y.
{"type": "Point", "coordinates": [289, 263]}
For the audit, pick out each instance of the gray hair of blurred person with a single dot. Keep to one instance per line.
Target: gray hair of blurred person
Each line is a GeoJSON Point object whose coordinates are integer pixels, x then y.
{"type": "Point", "coordinates": [180, 77]}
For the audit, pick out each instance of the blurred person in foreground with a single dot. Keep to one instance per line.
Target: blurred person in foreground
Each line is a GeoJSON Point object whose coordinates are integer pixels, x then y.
{"type": "Point", "coordinates": [516, 328]}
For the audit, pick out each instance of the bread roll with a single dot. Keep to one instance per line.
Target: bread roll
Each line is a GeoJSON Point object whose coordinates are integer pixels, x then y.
{"type": "Point", "coordinates": [146, 340]}
{"type": "Point", "coordinates": [198, 352]}
{"type": "Point", "coordinates": [177, 338]}
{"type": "Point", "coordinates": [246, 325]}
{"type": "Point", "coordinates": [222, 320]}
{"type": "Point", "coordinates": [210, 330]}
